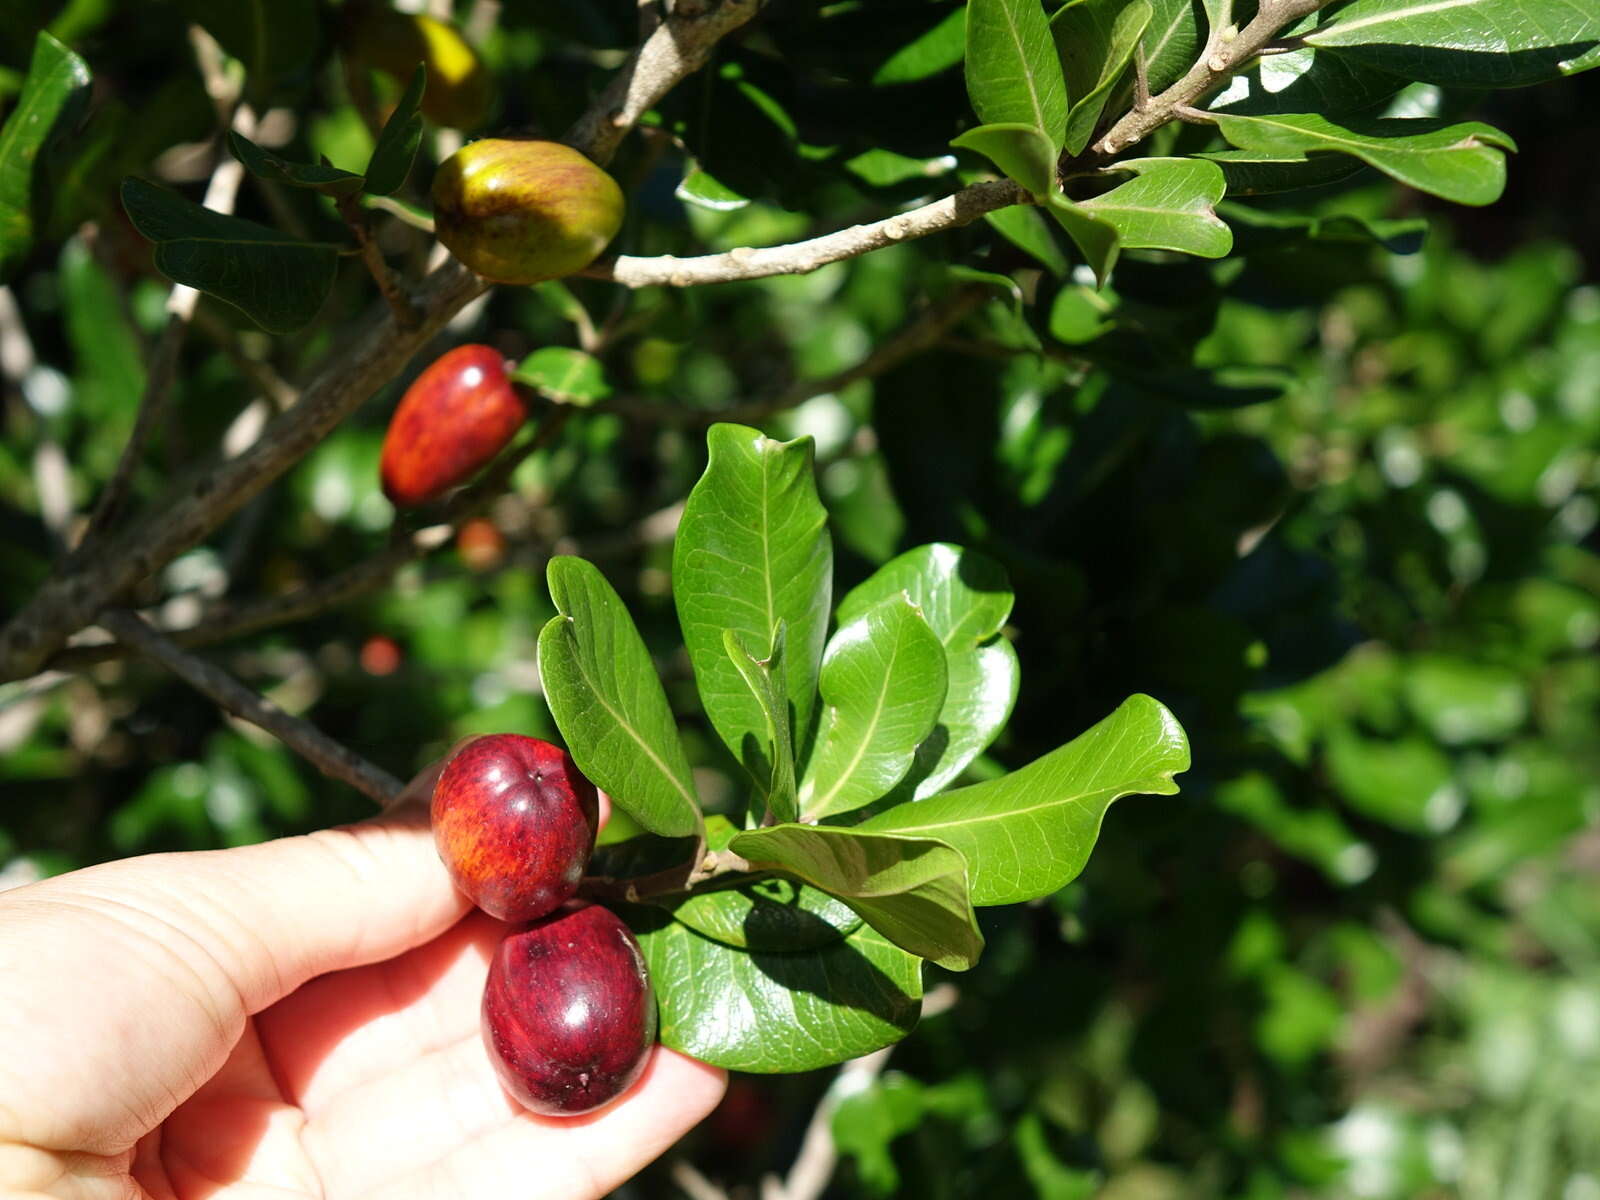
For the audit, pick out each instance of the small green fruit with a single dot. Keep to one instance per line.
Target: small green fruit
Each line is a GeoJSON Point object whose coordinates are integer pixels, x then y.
{"type": "Point", "coordinates": [523, 211]}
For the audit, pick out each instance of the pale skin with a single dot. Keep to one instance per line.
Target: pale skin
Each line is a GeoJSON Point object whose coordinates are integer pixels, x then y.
{"type": "Point", "coordinates": [294, 1019]}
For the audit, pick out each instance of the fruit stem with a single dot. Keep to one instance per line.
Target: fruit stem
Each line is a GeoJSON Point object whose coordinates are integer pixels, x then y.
{"type": "Point", "coordinates": [684, 877]}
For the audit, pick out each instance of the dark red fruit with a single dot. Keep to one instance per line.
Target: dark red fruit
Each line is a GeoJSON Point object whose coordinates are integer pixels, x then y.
{"type": "Point", "coordinates": [569, 1016]}
{"type": "Point", "coordinates": [458, 415]}
{"type": "Point", "coordinates": [514, 820]}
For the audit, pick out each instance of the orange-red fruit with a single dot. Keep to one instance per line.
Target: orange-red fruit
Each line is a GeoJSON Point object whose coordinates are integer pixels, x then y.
{"type": "Point", "coordinates": [518, 210]}
{"type": "Point", "coordinates": [514, 821]}
{"type": "Point", "coordinates": [481, 544]}
{"type": "Point", "coordinates": [458, 415]}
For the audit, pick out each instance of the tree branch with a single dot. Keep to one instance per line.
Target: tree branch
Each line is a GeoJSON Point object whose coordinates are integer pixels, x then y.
{"type": "Point", "coordinates": [798, 258]}
{"type": "Point", "coordinates": [1221, 58]}
{"type": "Point", "coordinates": [328, 756]}
{"type": "Point", "coordinates": [207, 496]}
{"type": "Point", "coordinates": [679, 46]}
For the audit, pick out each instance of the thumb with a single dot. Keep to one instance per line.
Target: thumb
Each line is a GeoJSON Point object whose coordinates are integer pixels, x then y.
{"type": "Point", "coordinates": [123, 987]}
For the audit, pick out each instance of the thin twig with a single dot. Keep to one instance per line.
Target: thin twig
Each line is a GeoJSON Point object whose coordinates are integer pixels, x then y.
{"type": "Point", "coordinates": [1222, 57]}
{"type": "Point", "coordinates": [394, 292]}
{"type": "Point", "coordinates": [328, 756]}
{"type": "Point", "coordinates": [798, 258]}
{"type": "Point", "coordinates": [693, 1184]}
{"type": "Point", "coordinates": [677, 47]}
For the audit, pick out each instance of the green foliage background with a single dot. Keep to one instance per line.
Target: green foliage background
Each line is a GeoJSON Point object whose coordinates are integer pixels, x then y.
{"type": "Point", "coordinates": [1336, 507]}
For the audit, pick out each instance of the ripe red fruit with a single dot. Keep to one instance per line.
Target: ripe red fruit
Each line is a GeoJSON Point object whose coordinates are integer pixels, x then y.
{"type": "Point", "coordinates": [569, 1016]}
{"type": "Point", "coordinates": [481, 545]}
{"type": "Point", "coordinates": [458, 415]}
{"type": "Point", "coordinates": [514, 821]}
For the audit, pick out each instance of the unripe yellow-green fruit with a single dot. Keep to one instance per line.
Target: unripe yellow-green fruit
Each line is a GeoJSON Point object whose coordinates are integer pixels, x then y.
{"type": "Point", "coordinates": [523, 211]}
{"type": "Point", "coordinates": [459, 86]}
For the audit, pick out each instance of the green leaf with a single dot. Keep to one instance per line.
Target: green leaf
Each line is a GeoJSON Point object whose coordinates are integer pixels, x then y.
{"type": "Point", "coordinates": [1096, 40]}
{"type": "Point", "coordinates": [277, 281]}
{"type": "Point", "coordinates": [1406, 784]}
{"type": "Point", "coordinates": [1020, 151]}
{"type": "Point", "coordinates": [1169, 205]}
{"type": "Point", "coordinates": [768, 1012]}
{"type": "Point", "coordinates": [607, 701]}
{"type": "Point", "coordinates": [1266, 231]}
{"type": "Point", "coordinates": [276, 40]}
{"type": "Point", "coordinates": [772, 757]}
{"type": "Point", "coordinates": [752, 550]}
{"type": "Point", "coordinates": [396, 148]}
{"type": "Point", "coordinates": [1306, 80]}
{"type": "Point", "coordinates": [264, 164]}
{"type": "Point", "coordinates": [1471, 43]}
{"type": "Point", "coordinates": [1462, 701]}
{"type": "Point", "coordinates": [866, 1121]}
{"type": "Point", "coordinates": [883, 685]}
{"type": "Point", "coordinates": [1025, 227]}
{"type": "Point", "coordinates": [1029, 833]}
{"type": "Point", "coordinates": [1013, 72]}
{"type": "Point", "coordinates": [1172, 41]}
{"type": "Point", "coordinates": [912, 890]}
{"type": "Point", "coordinates": [768, 915]}
{"type": "Point", "coordinates": [564, 374]}
{"type": "Point", "coordinates": [53, 93]}
{"type": "Point", "coordinates": [1095, 237]}
{"type": "Point", "coordinates": [1264, 172]}
{"type": "Point", "coordinates": [699, 188]}
{"type": "Point", "coordinates": [1464, 163]}
{"type": "Point", "coordinates": [939, 49]}
{"type": "Point", "coordinates": [965, 599]}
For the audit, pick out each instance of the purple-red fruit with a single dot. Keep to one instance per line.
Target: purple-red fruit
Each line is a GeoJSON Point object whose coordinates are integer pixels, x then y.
{"type": "Point", "coordinates": [514, 821]}
{"type": "Point", "coordinates": [458, 415]}
{"type": "Point", "coordinates": [569, 1016]}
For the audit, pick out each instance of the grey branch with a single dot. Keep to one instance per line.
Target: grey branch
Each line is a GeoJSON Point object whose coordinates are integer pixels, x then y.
{"type": "Point", "coordinates": [1220, 60]}
{"type": "Point", "coordinates": [679, 46]}
{"type": "Point", "coordinates": [798, 258]}
{"type": "Point", "coordinates": [328, 756]}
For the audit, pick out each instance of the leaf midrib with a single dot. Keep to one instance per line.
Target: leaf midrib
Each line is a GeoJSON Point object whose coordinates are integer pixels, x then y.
{"type": "Point", "coordinates": [627, 728]}
{"type": "Point", "coordinates": [861, 744]}
{"type": "Point", "coordinates": [1137, 785]}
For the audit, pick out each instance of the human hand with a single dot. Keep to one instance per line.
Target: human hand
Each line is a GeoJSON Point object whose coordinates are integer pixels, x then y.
{"type": "Point", "coordinates": [298, 1018]}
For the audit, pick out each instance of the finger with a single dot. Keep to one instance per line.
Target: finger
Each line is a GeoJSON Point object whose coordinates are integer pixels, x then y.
{"type": "Point", "coordinates": [573, 1158]}
{"type": "Point", "coordinates": [123, 987]}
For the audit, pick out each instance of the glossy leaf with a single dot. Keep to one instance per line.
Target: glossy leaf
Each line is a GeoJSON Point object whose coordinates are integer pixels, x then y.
{"type": "Point", "coordinates": [1095, 237]}
{"type": "Point", "coordinates": [1169, 205]}
{"type": "Point", "coordinates": [1029, 833]}
{"type": "Point", "coordinates": [264, 164]}
{"type": "Point", "coordinates": [1026, 228]}
{"type": "Point", "coordinates": [398, 140]}
{"type": "Point", "coordinates": [912, 890]}
{"type": "Point", "coordinates": [772, 757]}
{"type": "Point", "coordinates": [773, 1012]}
{"type": "Point", "coordinates": [1020, 151]}
{"type": "Point", "coordinates": [1469, 43]}
{"type": "Point", "coordinates": [939, 49]}
{"type": "Point", "coordinates": [1306, 80]}
{"type": "Point", "coordinates": [1172, 41]}
{"type": "Point", "coordinates": [753, 549]}
{"type": "Point", "coordinates": [769, 915]}
{"type": "Point", "coordinates": [1267, 172]}
{"type": "Point", "coordinates": [703, 190]}
{"type": "Point", "coordinates": [1096, 40]}
{"type": "Point", "coordinates": [605, 696]}
{"type": "Point", "coordinates": [1464, 163]}
{"type": "Point", "coordinates": [564, 374]}
{"type": "Point", "coordinates": [883, 686]}
{"type": "Point", "coordinates": [56, 86]}
{"type": "Point", "coordinates": [1013, 72]}
{"type": "Point", "coordinates": [277, 281]}
{"type": "Point", "coordinates": [1265, 231]}
{"type": "Point", "coordinates": [965, 599]}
